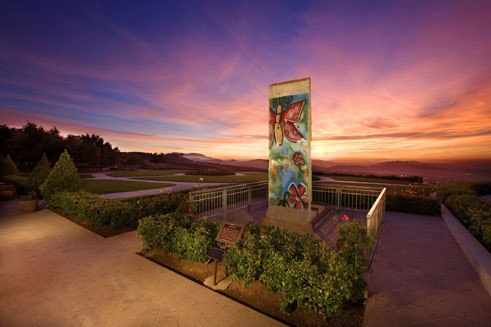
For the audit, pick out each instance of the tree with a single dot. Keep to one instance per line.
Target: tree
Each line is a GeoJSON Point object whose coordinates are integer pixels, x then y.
{"type": "Point", "coordinates": [38, 175]}
{"type": "Point", "coordinates": [8, 166]}
{"type": "Point", "coordinates": [63, 177]}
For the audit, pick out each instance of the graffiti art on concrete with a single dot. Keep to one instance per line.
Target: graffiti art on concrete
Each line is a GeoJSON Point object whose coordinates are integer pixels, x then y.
{"type": "Point", "coordinates": [289, 151]}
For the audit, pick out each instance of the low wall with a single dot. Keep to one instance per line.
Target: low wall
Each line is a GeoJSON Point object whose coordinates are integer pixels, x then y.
{"type": "Point", "coordinates": [478, 256]}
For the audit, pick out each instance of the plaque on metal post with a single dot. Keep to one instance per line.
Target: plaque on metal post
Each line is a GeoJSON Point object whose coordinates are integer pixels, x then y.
{"type": "Point", "coordinates": [229, 233]}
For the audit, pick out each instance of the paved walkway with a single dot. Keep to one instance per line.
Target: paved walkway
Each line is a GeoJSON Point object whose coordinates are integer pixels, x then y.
{"type": "Point", "coordinates": [177, 186]}
{"type": "Point", "coordinates": [56, 273]}
{"type": "Point", "coordinates": [420, 277]}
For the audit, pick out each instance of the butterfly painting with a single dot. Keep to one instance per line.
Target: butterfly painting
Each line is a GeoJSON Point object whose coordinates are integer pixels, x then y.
{"type": "Point", "coordinates": [281, 123]}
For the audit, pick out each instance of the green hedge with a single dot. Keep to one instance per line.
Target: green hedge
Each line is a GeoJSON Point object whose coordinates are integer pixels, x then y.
{"type": "Point", "coordinates": [418, 204]}
{"type": "Point", "coordinates": [302, 268]}
{"type": "Point", "coordinates": [180, 233]}
{"type": "Point", "coordinates": [449, 189]}
{"type": "Point", "coordinates": [474, 213]}
{"type": "Point", "coordinates": [18, 181]}
{"type": "Point", "coordinates": [101, 211]}
{"type": "Point", "coordinates": [482, 188]}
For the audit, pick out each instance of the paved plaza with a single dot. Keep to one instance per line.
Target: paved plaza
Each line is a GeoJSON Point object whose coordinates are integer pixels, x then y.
{"type": "Point", "coordinates": [420, 277]}
{"type": "Point", "coordinates": [55, 273]}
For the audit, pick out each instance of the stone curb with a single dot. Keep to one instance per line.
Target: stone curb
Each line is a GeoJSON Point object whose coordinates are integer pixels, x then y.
{"type": "Point", "coordinates": [478, 256]}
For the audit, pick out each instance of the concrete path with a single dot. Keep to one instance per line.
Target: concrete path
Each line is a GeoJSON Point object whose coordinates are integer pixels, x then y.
{"type": "Point", "coordinates": [56, 273]}
{"type": "Point", "coordinates": [420, 277]}
{"type": "Point", "coordinates": [178, 186]}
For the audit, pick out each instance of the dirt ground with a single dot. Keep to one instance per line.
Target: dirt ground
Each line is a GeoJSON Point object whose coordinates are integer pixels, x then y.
{"type": "Point", "coordinates": [255, 296]}
{"type": "Point", "coordinates": [104, 231]}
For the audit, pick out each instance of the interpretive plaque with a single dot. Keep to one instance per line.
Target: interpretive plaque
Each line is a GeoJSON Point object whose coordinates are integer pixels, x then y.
{"type": "Point", "coordinates": [229, 233]}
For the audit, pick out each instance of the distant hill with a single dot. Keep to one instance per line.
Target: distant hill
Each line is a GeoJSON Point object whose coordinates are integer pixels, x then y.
{"type": "Point", "coordinates": [200, 157]}
{"type": "Point", "coordinates": [441, 171]}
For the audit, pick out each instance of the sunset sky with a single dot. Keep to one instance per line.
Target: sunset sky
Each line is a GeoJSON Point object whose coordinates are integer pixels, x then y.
{"type": "Point", "coordinates": [391, 80]}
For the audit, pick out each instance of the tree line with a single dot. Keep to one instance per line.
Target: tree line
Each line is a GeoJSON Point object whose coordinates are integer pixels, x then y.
{"type": "Point", "coordinates": [27, 144]}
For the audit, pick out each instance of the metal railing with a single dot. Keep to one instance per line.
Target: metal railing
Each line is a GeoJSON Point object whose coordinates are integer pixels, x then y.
{"type": "Point", "coordinates": [340, 197]}
{"type": "Point", "coordinates": [223, 200]}
{"type": "Point", "coordinates": [376, 214]}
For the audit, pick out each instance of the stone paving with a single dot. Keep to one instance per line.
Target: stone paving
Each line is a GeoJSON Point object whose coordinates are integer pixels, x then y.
{"type": "Point", "coordinates": [420, 277]}
{"type": "Point", "coordinates": [56, 273]}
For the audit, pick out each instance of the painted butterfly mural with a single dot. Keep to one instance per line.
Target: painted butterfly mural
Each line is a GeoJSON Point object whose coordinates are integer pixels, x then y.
{"type": "Point", "coordinates": [281, 122]}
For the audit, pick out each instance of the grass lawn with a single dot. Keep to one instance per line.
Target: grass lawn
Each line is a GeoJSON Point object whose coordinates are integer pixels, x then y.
{"type": "Point", "coordinates": [369, 179]}
{"type": "Point", "coordinates": [248, 177]}
{"type": "Point", "coordinates": [113, 186]}
{"type": "Point", "coordinates": [154, 172]}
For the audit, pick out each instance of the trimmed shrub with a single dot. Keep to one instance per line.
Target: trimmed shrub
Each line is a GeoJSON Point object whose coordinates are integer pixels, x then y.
{"type": "Point", "coordinates": [155, 205]}
{"type": "Point", "coordinates": [302, 268]}
{"type": "Point", "coordinates": [8, 166]}
{"type": "Point", "coordinates": [101, 211]}
{"type": "Point", "coordinates": [418, 204]}
{"type": "Point", "coordinates": [179, 233]}
{"type": "Point", "coordinates": [38, 175]}
{"type": "Point", "coordinates": [93, 208]}
{"type": "Point", "coordinates": [18, 181]}
{"type": "Point", "coordinates": [449, 189]}
{"type": "Point", "coordinates": [475, 215]}
{"type": "Point", "coordinates": [482, 188]}
{"type": "Point", "coordinates": [63, 177]}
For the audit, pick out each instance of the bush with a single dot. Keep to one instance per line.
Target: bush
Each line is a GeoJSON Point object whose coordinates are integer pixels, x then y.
{"type": "Point", "coordinates": [155, 205]}
{"type": "Point", "coordinates": [63, 177]}
{"type": "Point", "coordinates": [38, 175]}
{"type": "Point", "coordinates": [92, 208]}
{"type": "Point", "coordinates": [180, 233]}
{"type": "Point", "coordinates": [449, 189]}
{"type": "Point", "coordinates": [101, 211]}
{"type": "Point", "coordinates": [301, 267]}
{"type": "Point", "coordinates": [475, 215]}
{"type": "Point", "coordinates": [18, 181]}
{"type": "Point", "coordinates": [482, 188]}
{"type": "Point", "coordinates": [8, 166]}
{"type": "Point", "coordinates": [418, 204]}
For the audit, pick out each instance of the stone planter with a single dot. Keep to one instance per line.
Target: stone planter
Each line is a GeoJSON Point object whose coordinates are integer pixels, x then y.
{"type": "Point", "coordinates": [7, 191]}
{"type": "Point", "coordinates": [27, 206]}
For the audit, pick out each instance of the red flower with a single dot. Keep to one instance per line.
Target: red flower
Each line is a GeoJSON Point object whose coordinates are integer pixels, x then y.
{"type": "Point", "coordinates": [298, 159]}
{"type": "Point", "coordinates": [296, 196]}
{"type": "Point", "coordinates": [345, 217]}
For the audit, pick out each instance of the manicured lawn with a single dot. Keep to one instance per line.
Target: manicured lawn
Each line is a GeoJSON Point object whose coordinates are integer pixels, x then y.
{"type": "Point", "coordinates": [247, 178]}
{"type": "Point", "coordinates": [154, 172]}
{"type": "Point", "coordinates": [369, 179]}
{"type": "Point", "coordinates": [86, 175]}
{"type": "Point", "coordinates": [101, 186]}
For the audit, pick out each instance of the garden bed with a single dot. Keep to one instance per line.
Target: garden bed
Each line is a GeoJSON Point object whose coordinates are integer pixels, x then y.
{"type": "Point", "coordinates": [104, 230]}
{"type": "Point", "coordinates": [257, 296]}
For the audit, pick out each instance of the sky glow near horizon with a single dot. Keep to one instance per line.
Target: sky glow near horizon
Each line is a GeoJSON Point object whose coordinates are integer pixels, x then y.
{"type": "Point", "coordinates": [390, 79]}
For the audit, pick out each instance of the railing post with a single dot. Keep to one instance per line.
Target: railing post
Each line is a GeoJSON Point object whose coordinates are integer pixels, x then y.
{"type": "Point", "coordinates": [224, 203]}
{"type": "Point", "coordinates": [249, 197]}
{"type": "Point", "coordinates": [338, 198]}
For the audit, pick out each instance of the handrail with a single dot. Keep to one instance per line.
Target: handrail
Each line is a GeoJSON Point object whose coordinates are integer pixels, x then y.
{"type": "Point", "coordinates": [375, 205]}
